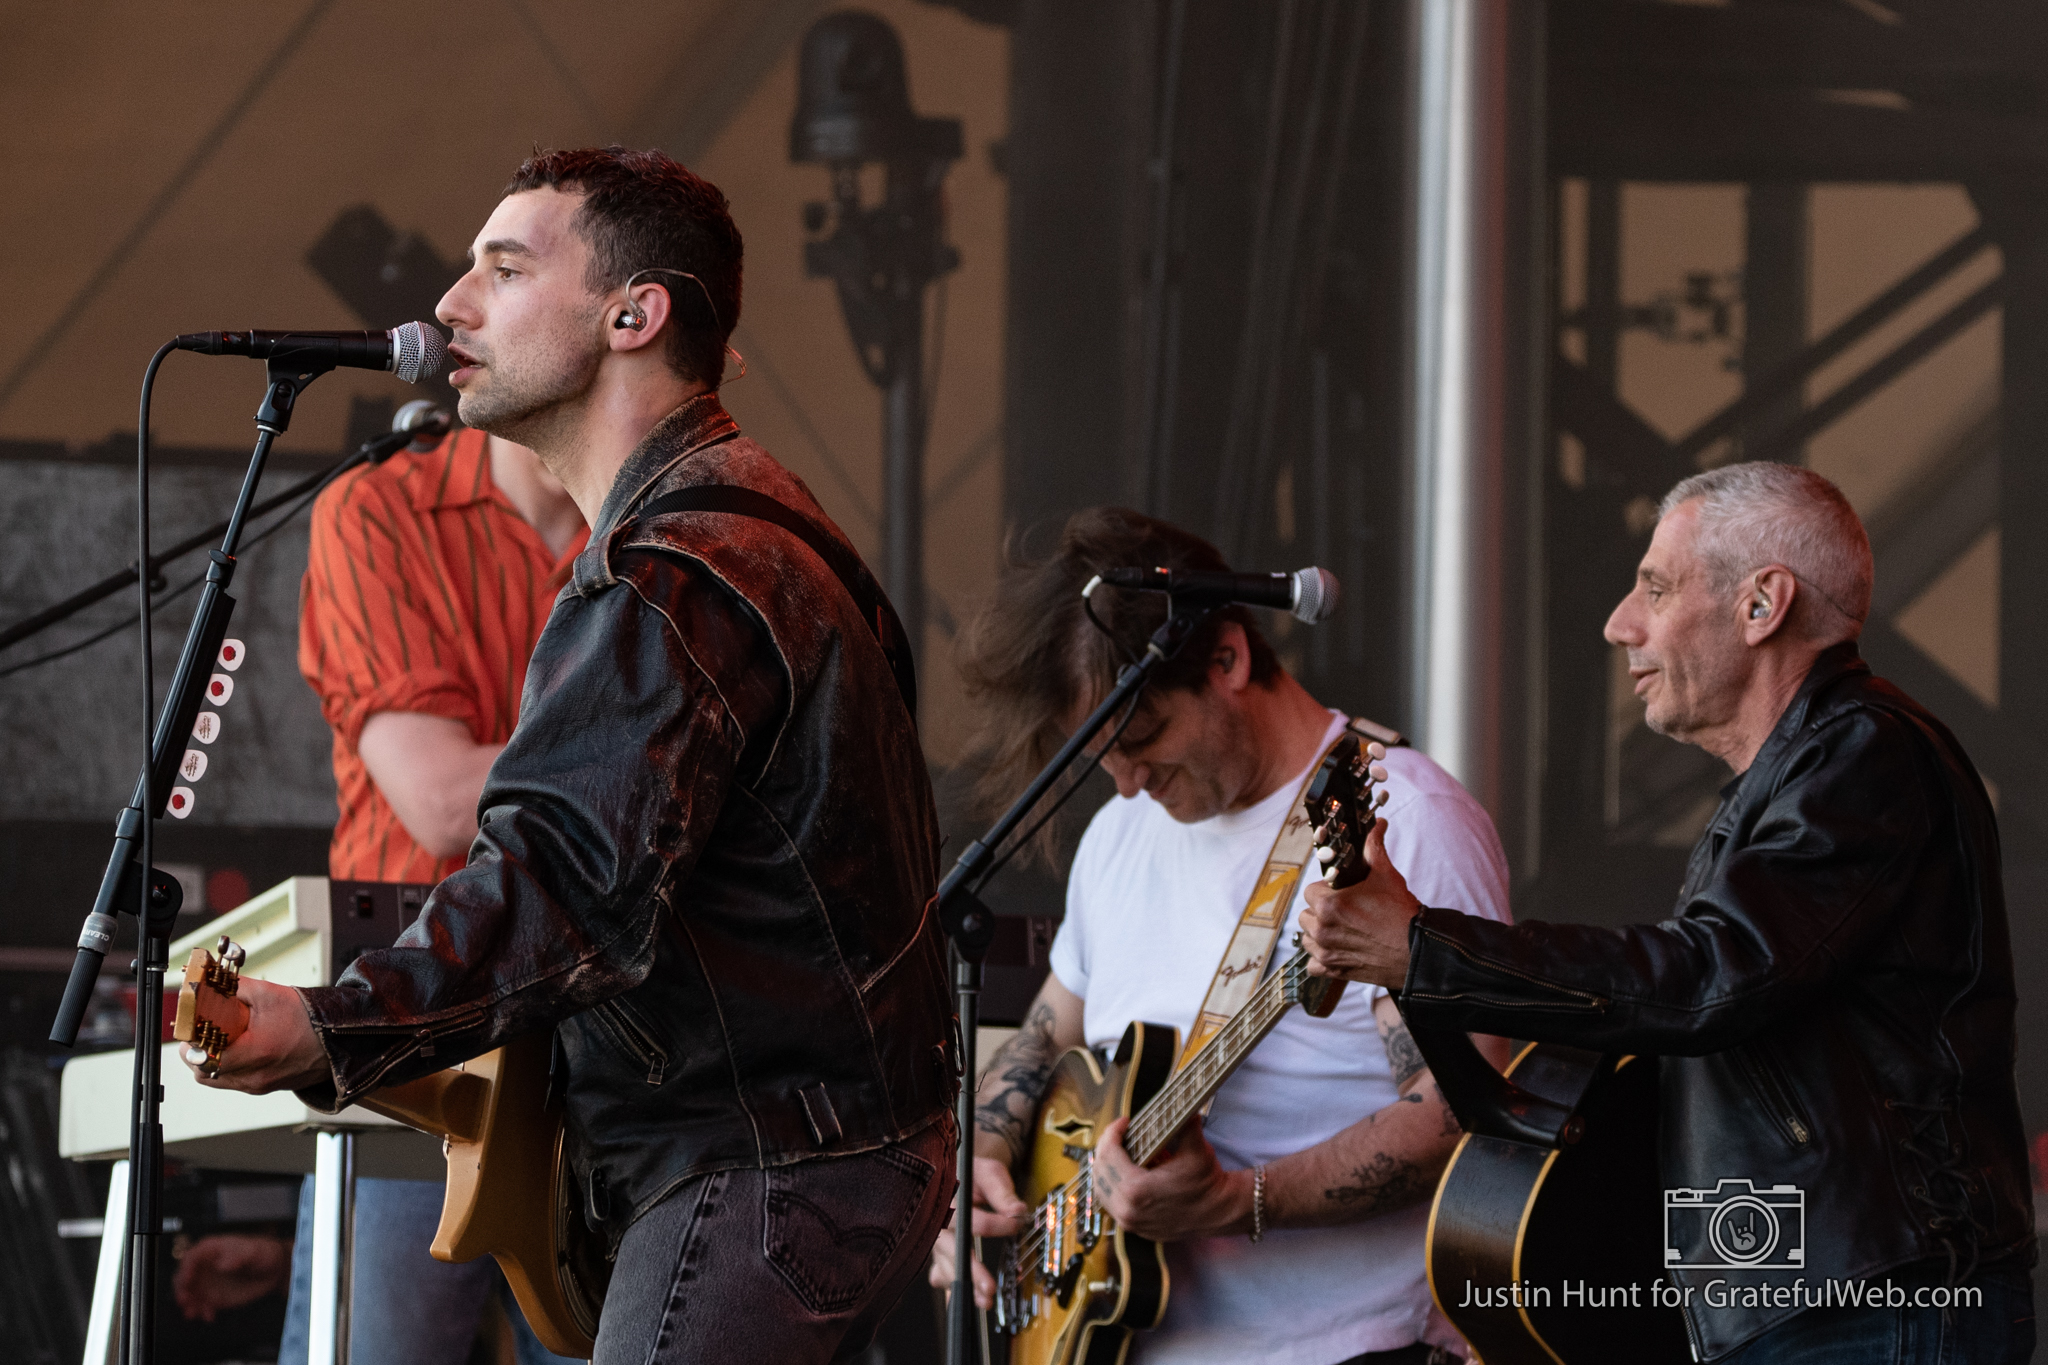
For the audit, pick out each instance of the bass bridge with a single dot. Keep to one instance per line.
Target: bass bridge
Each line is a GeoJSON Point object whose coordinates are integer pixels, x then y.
{"type": "Point", "coordinates": [1046, 1263]}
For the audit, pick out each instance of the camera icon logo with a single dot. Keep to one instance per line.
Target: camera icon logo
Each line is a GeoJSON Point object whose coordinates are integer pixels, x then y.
{"type": "Point", "coordinates": [1735, 1226]}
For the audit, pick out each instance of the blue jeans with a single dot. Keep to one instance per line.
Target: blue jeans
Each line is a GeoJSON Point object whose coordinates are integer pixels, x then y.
{"type": "Point", "coordinates": [798, 1264]}
{"type": "Point", "coordinates": [1999, 1331]}
{"type": "Point", "coordinates": [407, 1307]}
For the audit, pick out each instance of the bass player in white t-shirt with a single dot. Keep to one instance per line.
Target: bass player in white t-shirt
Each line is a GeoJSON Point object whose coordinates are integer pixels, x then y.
{"type": "Point", "coordinates": [1329, 1138]}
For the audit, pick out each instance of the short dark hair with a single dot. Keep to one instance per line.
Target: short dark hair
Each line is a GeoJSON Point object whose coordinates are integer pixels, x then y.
{"type": "Point", "coordinates": [1032, 655]}
{"type": "Point", "coordinates": [645, 209]}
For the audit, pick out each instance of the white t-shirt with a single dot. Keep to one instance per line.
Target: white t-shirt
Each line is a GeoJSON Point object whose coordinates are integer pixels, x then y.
{"type": "Point", "coordinates": [1151, 904]}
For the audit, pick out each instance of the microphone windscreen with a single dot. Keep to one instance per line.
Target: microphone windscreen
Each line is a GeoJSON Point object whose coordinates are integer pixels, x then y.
{"type": "Point", "coordinates": [425, 420]}
{"type": "Point", "coordinates": [1315, 595]}
{"type": "Point", "coordinates": [422, 351]}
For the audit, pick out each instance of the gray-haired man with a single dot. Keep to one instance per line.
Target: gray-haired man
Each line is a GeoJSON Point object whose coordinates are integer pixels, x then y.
{"type": "Point", "coordinates": [1832, 995]}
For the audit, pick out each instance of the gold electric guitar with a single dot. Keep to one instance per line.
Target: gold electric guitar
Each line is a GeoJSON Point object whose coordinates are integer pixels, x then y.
{"type": "Point", "coordinates": [503, 1141]}
{"type": "Point", "coordinates": [1073, 1287]}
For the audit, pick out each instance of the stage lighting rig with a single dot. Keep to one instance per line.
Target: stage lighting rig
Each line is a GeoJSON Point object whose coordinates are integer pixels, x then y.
{"type": "Point", "coordinates": [853, 110]}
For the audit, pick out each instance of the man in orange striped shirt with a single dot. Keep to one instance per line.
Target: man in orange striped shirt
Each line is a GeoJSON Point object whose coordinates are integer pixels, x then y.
{"type": "Point", "coordinates": [427, 583]}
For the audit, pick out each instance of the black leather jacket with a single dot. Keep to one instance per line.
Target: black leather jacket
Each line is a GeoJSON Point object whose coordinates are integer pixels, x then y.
{"type": "Point", "coordinates": [706, 859]}
{"type": "Point", "coordinates": [1832, 998]}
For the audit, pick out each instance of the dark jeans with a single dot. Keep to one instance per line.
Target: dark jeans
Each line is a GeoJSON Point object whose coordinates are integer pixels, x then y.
{"type": "Point", "coordinates": [1999, 1331]}
{"type": "Point", "coordinates": [796, 1264]}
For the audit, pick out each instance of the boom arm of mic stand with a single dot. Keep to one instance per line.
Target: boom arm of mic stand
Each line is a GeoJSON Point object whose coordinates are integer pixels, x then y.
{"type": "Point", "coordinates": [971, 927]}
{"type": "Point", "coordinates": [114, 582]}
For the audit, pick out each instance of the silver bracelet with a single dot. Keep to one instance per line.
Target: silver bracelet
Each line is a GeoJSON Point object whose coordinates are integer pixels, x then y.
{"type": "Point", "coordinates": [1258, 1202]}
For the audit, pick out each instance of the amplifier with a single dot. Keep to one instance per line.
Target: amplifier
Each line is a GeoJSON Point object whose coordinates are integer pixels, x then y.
{"type": "Point", "coordinates": [365, 915]}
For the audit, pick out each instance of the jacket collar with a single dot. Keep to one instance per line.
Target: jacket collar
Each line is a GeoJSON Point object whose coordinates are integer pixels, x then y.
{"type": "Point", "coordinates": [699, 422]}
{"type": "Point", "coordinates": [1830, 665]}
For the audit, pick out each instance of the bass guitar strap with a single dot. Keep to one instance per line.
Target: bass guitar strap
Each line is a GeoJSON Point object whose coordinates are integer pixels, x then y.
{"type": "Point", "coordinates": [1258, 929]}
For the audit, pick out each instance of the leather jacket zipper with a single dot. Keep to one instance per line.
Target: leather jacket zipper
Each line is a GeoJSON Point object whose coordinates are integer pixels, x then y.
{"type": "Point", "coordinates": [1775, 1092]}
{"type": "Point", "coordinates": [423, 1034]}
{"type": "Point", "coordinates": [637, 1039]}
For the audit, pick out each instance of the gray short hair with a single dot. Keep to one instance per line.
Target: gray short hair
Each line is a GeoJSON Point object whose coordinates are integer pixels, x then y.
{"type": "Point", "coordinates": [1762, 513]}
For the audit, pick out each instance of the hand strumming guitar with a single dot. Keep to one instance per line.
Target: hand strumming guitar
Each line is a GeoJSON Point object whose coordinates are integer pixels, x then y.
{"type": "Point", "coordinates": [1188, 1194]}
{"type": "Point", "coordinates": [1361, 932]}
{"type": "Point", "coordinates": [279, 1051]}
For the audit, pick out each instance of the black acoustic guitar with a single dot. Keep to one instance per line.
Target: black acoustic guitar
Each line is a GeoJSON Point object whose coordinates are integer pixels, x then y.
{"type": "Point", "coordinates": [1547, 1233]}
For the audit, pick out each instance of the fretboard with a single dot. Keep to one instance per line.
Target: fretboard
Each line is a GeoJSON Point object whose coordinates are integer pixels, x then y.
{"type": "Point", "coordinates": [1193, 1085]}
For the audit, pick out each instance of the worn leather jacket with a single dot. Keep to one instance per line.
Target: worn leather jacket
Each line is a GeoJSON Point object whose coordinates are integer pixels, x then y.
{"type": "Point", "coordinates": [706, 859]}
{"type": "Point", "coordinates": [1832, 998]}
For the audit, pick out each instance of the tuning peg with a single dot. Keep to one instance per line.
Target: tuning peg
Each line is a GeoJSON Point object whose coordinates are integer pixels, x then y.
{"type": "Point", "coordinates": [1376, 751]}
{"type": "Point", "coordinates": [220, 949]}
{"type": "Point", "coordinates": [232, 652]}
{"type": "Point", "coordinates": [1379, 774]}
{"type": "Point", "coordinates": [219, 688]}
{"type": "Point", "coordinates": [1325, 854]}
{"type": "Point", "coordinates": [236, 955]}
{"type": "Point", "coordinates": [1380, 800]}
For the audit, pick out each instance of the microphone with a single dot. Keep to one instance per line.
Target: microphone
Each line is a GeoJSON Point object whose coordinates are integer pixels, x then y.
{"type": "Point", "coordinates": [1310, 594]}
{"type": "Point", "coordinates": [416, 426]}
{"type": "Point", "coordinates": [413, 352]}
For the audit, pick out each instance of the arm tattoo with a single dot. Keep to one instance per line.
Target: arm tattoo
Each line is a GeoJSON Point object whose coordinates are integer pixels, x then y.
{"type": "Point", "coordinates": [1017, 1077]}
{"type": "Point", "coordinates": [1380, 1185]}
{"type": "Point", "coordinates": [1402, 1052]}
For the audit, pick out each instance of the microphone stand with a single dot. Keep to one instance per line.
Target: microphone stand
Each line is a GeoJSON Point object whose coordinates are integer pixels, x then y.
{"type": "Point", "coordinates": [373, 451]}
{"type": "Point", "coordinates": [121, 886]}
{"type": "Point", "coordinates": [971, 927]}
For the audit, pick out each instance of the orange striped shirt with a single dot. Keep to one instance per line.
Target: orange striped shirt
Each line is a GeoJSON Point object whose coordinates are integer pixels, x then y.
{"type": "Point", "coordinates": [425, 592]}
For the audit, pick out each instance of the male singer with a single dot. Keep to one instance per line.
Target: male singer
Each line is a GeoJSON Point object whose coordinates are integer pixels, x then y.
{"type": "Point", "coordinates": [706, 857]}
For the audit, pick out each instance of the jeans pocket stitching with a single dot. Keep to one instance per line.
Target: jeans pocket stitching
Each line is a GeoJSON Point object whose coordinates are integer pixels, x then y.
{"type": "Point", "coordinates": [811, 1289]}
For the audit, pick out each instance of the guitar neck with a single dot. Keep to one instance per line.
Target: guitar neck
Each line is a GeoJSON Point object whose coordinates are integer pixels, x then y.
{"type": "Point", "coordinates": [1196, 1083]}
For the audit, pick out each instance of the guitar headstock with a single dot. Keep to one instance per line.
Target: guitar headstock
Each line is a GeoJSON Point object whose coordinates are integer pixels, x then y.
{"type": "Point", "coordinates": [210, 1014]}
{"type": "Point", "coordinates": [1343, 801]}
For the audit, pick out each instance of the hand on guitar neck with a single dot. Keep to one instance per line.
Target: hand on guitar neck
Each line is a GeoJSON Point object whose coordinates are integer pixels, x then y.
{"type": "Point", "coordinates": [244, 1034]}
{"type": "Point", "coordinates": [1360, 932]}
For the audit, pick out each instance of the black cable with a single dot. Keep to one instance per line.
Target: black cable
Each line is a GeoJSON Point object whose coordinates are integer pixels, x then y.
{"type": "Point", "coordinates": [136, 1176]}
{"type": "Point", "coordinates": [284, 518]}
{"type": "Point", "coordinates": [1094, 762]}
{"type": "Point", "coordinates": [1088, 606]}
{"type": "Point", "coordinates": [160, 603]}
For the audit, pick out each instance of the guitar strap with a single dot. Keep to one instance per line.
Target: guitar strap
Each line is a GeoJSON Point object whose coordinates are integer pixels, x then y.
{"type": "Point", "coordinates": [1258, 929]}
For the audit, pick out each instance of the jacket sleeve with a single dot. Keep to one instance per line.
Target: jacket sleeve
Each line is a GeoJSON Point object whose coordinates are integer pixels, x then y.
{"type": "Point", "coordinates": [1818, 877]}
{"type": "Point", "coordinates": [625, 751]}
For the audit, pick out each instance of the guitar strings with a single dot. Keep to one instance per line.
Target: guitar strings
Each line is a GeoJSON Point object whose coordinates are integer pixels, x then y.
{"type": "Point", "coordinates": [1259, 1014]}
{"type": "Point", "coordinates": [1267, 1005]}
